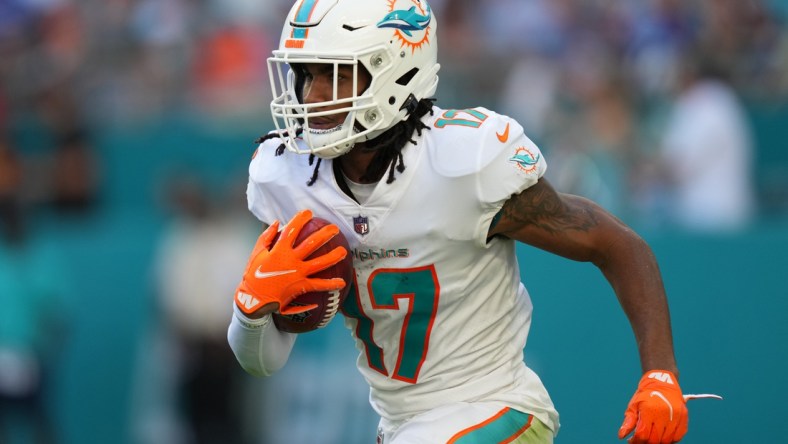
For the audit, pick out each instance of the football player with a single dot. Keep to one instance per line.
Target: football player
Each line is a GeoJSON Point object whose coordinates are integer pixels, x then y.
{"type": "Point", "coordinates": [432, 202]}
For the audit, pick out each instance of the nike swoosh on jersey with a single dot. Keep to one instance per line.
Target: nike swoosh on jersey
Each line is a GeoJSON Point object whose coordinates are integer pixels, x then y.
{"type": "Point", "coordinates": [267, 274]}
{"type": "Point", "coordinates": [505, 136]}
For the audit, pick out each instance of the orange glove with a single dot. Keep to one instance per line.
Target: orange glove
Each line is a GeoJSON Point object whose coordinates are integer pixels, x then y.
{"type": "Point", "coordinates": [280, 273]}
{"type": "Point", "coordinates": [657, 412]}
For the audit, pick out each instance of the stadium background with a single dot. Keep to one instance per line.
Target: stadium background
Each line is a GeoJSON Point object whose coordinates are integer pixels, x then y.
{"type": "Point", "coordinates": [168, 90]}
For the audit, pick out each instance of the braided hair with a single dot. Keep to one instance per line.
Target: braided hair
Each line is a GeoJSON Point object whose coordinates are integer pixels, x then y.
{"type": "Point", "coordinates": [388, 146]}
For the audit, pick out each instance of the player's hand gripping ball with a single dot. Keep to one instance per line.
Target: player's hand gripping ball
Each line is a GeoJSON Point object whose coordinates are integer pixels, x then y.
{"type": "Point", "coordinates": [326, 303]}
{"type": "Point", "coordinates": [302, 272]}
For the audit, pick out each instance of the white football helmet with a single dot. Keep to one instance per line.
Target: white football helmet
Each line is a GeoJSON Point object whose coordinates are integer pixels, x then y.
{"type": "Point", "coordinates": [394, 40]}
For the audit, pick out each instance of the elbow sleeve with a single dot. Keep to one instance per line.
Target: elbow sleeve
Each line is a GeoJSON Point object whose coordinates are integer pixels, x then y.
{"type": "Point", "coordinates": [260, 348]}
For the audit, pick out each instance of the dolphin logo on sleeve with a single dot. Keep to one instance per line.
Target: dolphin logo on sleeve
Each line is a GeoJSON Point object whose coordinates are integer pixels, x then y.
{"type": "Point", "coordinates": [525, 160]}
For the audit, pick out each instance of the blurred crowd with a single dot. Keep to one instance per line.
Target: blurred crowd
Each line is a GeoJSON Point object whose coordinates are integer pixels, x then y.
{"type": "Point", "coordinates": [594, 82]}
{"type": "Point", "coordinates": [640, 105]}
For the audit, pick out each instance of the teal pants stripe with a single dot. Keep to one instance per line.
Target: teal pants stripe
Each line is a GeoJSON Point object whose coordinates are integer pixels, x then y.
{"type": "Point", "coordinates": [500, 429]}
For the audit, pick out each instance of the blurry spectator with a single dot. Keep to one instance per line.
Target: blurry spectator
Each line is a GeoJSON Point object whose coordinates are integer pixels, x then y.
{"type": "Point", "coordinates": [63, 165]}
{"type": "Point", "coordinates": [62, 35]}
{"type": "Point", "coordinates": [707, 152]}
{"type": "Point", "coordinates": [660, 29]}
{"type": "Point", "coordinates": [529, 93]}
{"type": "Point", "coordinates": [162, 28]}
{"type": "Point", "coordinates": [531, 26]}
{"type": "Point", "coordinates": [10, 171]}
{"type": "Point", "coordinates": [74, 173]}
{"type": "Point", "coordinates": [230, 73]}
{"type": "Point", "coordinates": [32, 314]}
{"type": "Point", "coordinates": [744, 37]}
{"type": "Point", "coordinates": [196, 272]}
{"type": "Point", "coordinates": [592, 143]}
{"type": "Point", "coordinates": [462, 27]}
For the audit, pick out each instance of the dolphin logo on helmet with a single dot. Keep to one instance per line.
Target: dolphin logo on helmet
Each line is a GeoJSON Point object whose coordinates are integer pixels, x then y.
{"type": "Point", "coordinates": [407, 21]}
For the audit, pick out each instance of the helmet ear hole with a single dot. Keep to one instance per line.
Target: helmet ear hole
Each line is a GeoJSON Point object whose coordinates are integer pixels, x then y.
{"type": "Point", "coordinates": [407, 77]}
{"type": "Point", "coordinates": [392, 100]}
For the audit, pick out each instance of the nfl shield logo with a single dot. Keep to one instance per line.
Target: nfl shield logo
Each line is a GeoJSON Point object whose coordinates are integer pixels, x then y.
{"type": "Point", "coordinates": [361, 225]}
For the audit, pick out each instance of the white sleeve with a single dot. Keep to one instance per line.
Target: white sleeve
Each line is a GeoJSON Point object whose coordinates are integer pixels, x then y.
{"type": "Point", "coordinates": [258, 345]}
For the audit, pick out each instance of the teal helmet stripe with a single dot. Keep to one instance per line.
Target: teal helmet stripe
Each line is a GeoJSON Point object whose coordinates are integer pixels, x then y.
{"type": "Point", "coordinates": [302, 16]}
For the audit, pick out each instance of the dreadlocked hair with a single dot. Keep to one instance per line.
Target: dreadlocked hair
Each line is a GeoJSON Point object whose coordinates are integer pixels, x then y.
{"type": "Point", "coordinates": [388, 150]}
{"type": "Point", "coordinates": [277, 135]}
{"type": "Point", "coordinates": [281, 150]}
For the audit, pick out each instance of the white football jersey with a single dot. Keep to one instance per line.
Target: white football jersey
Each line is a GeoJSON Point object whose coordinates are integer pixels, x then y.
{"type": "Point", "coordinates": [437, 311]}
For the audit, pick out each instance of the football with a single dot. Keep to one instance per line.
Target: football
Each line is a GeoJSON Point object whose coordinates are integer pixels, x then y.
{"type": "Point", "coordinates": [328, 302]}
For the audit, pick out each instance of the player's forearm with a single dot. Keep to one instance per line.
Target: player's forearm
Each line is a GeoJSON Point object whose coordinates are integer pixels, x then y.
{"type": "Point", "coordinates": [260, 348]}
{"type": "Point", "coordinates": [633, 272]}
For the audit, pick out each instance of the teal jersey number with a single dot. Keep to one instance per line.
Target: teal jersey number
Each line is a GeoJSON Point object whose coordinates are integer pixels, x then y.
{"type": "Point", "coordinates": [471, 118]}
{"type": "Point", "coordinates": [388, 287]}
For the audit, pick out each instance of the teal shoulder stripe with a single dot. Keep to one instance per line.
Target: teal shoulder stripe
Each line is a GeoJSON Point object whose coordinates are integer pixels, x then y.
{"type": "Point", "coordinates": [502, 430]}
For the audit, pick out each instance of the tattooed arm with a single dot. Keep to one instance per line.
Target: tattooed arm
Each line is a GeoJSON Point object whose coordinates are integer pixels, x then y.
{"type": "Point", "coordinates": [578, 229]}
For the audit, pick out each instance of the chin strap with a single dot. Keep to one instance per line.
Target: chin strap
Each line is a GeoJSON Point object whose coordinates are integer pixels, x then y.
{"type": "Point", "coordinates": [411, 105]}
